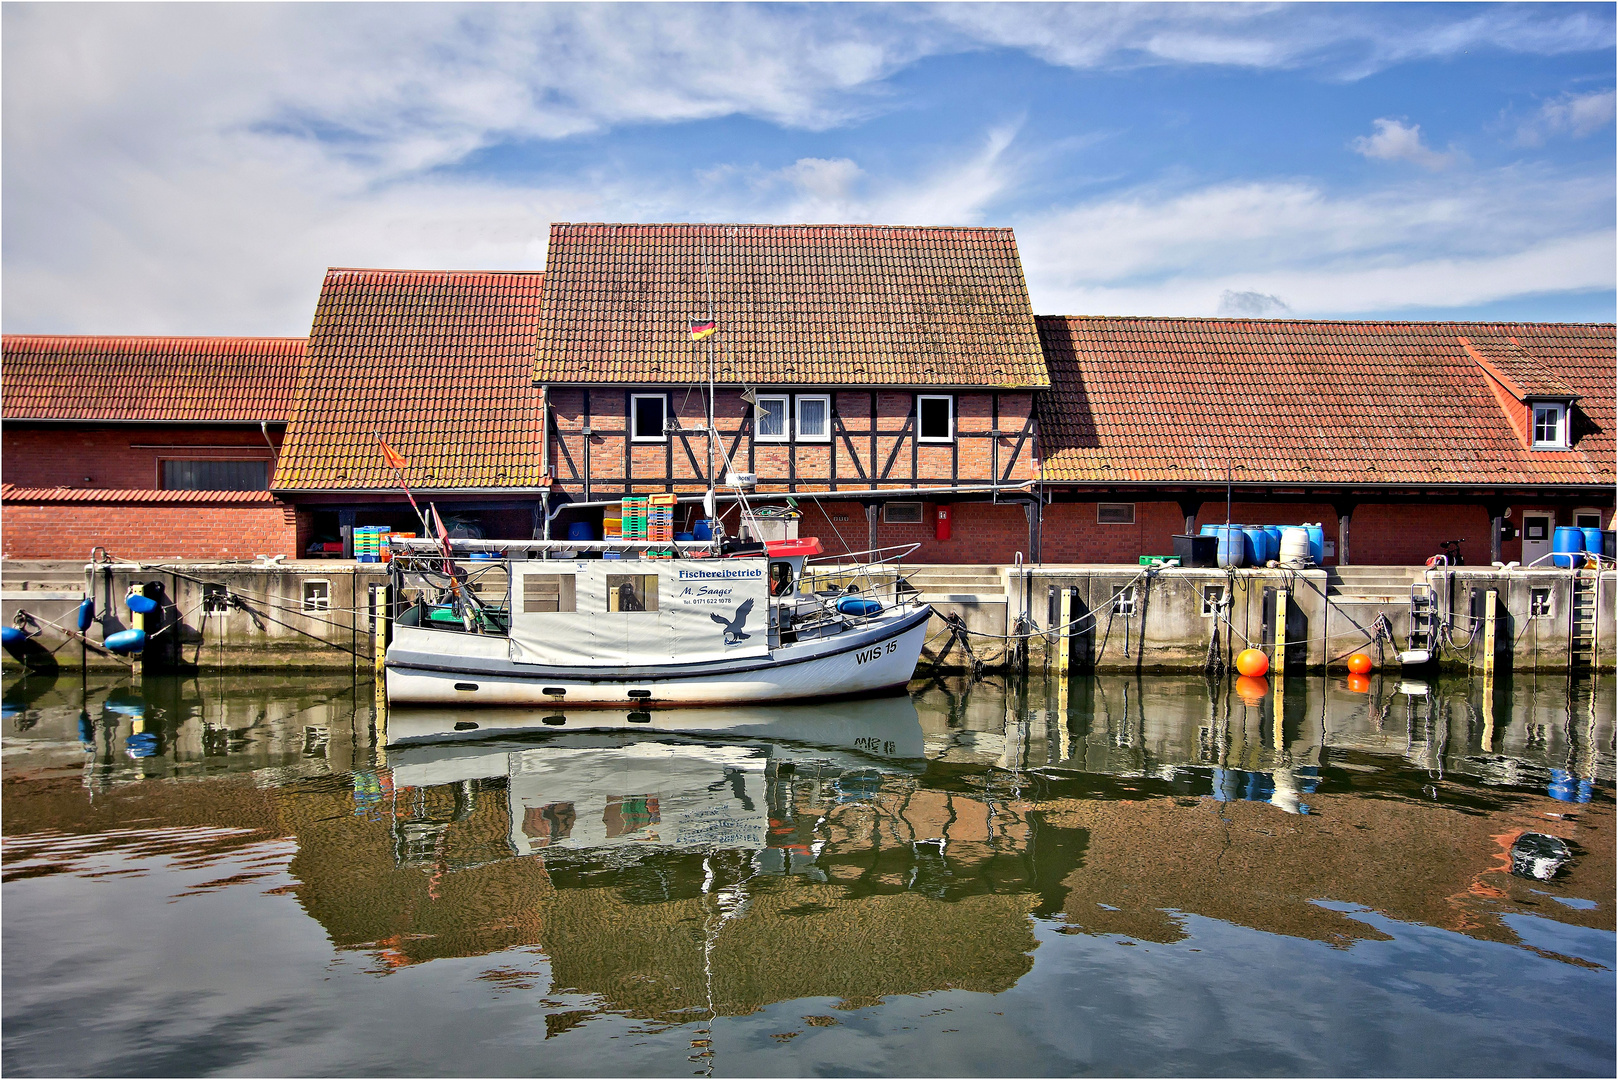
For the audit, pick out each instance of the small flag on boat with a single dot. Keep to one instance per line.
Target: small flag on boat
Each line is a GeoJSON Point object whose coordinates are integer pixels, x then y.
{"type": "Point", "coordinates": [394, 459]}
{"type": "Point", "coordinates": [700, 330]}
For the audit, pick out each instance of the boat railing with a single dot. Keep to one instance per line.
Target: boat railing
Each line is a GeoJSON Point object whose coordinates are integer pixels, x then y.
{"type": "Point", "coordinates": [876, 573]}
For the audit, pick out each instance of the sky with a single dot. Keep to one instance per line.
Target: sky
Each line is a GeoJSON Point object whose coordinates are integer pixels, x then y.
{"type": "Point", "coordinates": [194, 168]}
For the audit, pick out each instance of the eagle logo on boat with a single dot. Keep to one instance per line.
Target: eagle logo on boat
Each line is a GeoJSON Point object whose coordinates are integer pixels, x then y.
{"type": "Point", "coordinates": [733, 627]}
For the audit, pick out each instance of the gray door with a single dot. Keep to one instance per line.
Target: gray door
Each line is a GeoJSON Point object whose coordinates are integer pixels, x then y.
{"type": "Point", "coordinates": [1536, 536]}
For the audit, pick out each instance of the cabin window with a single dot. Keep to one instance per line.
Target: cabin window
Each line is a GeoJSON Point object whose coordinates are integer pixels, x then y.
{"type": "Point", "coordinates": [1550, 425]}
{"type": "Point", "coordinates": [1115, 513]}
{"type": "Point", "coordinates": [1123, 599]}
{"type": "Point", "coordinates": [546, 593]}
{"type": "Point", "coordinates": [814, 417]}
{"type": "Point", "coordinates": [771, 418]}
{"type": "Point", "coordinates": [902, 513]}
{"type": "Point", "coordinates": [316, 596]}
{"type": "Point", "coordinates": [1587, 519]}
{"type": "Point", "coordinates": [216, 475]}
{"type": "Point", "coordinates": [935, 417]}
{"type": "Point", "coordinates": [1213, 598]}
{"type": "Point", "coordinates": [648, 415]}
{"type": "Point", "coordinates": [631, 592]}
{"type": "Point", "coordinates": [1539, 604]}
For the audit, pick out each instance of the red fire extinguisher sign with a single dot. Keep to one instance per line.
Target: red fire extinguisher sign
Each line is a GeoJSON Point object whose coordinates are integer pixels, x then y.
{"type": "Point", "coordinates": [941, 522]}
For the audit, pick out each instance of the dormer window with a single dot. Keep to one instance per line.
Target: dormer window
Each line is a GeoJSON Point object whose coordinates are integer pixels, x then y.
{"type": "Point", "coordinates": [1550, 425]}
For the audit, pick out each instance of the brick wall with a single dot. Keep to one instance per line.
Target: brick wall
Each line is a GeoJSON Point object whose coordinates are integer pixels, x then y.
{"type": "Point", "coordinates": [980, 532]}
{"type": "Point", "coordinates": [172, 531]}
{"type": "Point", "coordinates": [857, 454]}
{"type": "Point", "coordinates": [116, 455]}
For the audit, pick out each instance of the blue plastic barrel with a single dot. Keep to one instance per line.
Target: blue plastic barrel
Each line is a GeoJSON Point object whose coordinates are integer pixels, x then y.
{"type": "Point", "coordinates": [1258, 545]}
{"type": "Point", "coordinates": [684, 537]}
{"type": "Point", "coordinates": [1232, 547]}
{"type": "Point", "coordinates": [1207, 530]}
{"type": "Point", "coordinates": [581, 530]}
{"type": "Point", "coordinates": [703, 530]}
{"type": "Point", "coordinates": [1592, 540]}
{"type": "Point", "coordinates": [1317, 544]}
{"type": "Point", "coordinates": [1274, 533]}
{"type": "Point", "coordinates": [1566, 546]}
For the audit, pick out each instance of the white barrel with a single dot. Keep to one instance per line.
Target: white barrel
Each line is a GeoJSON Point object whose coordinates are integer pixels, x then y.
{"type": "Point", "coordinates": [1294, 546]}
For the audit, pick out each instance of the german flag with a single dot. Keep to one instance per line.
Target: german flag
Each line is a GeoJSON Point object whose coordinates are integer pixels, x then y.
{"type": "Point", "coordinates": [700, 330]}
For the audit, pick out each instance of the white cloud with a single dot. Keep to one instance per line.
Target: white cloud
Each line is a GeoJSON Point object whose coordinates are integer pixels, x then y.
{"type": "Point", "coordinates": [1572, 114]}
{"type": "Point", "coordinates": [1395, 141]}
{"type": "Point", "coordinates": [1428, 244]}
{"type": "Point", "coordinates": [1252, 305]}
{"type": "Point", "coordinates": [1342, 41]}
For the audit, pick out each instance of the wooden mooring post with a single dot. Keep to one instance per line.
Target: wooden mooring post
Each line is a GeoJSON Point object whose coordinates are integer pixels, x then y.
{"type": "Point", "coordinates": [1064, 637]}
{"type": "Point", "coordinates": [379, 656]}
{"type": "Point", "coordinates": [1489, 601]}
{"type": "Point", "coordinates": [1280, 638]}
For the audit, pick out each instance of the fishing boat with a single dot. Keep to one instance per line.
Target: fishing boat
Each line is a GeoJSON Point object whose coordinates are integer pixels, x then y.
{"type": "Point", "coordinates": [645, 624]}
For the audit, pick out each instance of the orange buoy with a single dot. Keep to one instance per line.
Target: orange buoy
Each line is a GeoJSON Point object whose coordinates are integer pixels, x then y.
{"type": "Point", "coordinates": [1252, 690]}
{"type": "Point", "coordinates": [1252, 662]}
{"type": "Point", "coordinates": [1359, 684]}
{"type": "Point", "coordinates": [1359, 664]}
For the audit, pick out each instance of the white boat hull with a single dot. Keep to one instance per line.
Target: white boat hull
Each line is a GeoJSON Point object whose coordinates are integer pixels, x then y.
{"type": "Point", "coordinates": [431, 667]}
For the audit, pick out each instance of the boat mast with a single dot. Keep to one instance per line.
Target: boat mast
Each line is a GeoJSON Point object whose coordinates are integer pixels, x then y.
{"type": "Point", "coordinates": [711, 503]}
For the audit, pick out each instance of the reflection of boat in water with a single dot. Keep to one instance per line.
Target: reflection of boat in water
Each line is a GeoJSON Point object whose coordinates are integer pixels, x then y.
{"type": "Point", "coordinates": [885, 726]}
{"type": "Point", "coordinates": [673, 785]}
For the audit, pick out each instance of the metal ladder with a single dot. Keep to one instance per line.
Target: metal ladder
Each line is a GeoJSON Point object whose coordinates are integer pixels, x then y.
{"type": "Point", "coordinates": [1421, 617]}
{"type": "Point", "coordinates": [1582, 631]}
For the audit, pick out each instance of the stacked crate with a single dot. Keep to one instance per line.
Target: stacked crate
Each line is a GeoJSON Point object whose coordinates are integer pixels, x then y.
{"type": "Point", "coordinates": [387, 541]}
{"type": "Point", "coordinates": [660, 519]}
{"type": "Point", "coordinates": [634, 517]}
{"type": "Point", "coordinates": [612, 525]}
{"type": "Point", "coordinates": [368, 542]}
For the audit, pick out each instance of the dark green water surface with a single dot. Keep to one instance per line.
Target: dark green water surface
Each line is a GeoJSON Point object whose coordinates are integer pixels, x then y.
{"type": "Point", "coordinates": [1131, 876]}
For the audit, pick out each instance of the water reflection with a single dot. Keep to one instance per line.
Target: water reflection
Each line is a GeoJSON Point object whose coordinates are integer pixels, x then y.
{"type": "Point", "coordinates": [687, 866]}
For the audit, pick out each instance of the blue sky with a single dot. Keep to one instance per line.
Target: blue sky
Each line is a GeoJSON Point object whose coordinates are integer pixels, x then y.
{"type": "Point", "coordinates": [193, 169]}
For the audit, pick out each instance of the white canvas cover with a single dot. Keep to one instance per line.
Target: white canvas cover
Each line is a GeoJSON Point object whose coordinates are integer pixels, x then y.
{"type": "Point", "coordinates": [705, 609]}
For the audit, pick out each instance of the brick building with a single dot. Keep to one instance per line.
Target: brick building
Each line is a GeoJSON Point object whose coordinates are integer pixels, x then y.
{"type": "Point", "coordinates": [151, 447]}
{"type": "Point", "coordinates": [893, 381]}
{"type": "Point", "coordinates": [1396, 436]}
{"type": "Point", "coordinates": [882, 376]}
{"type": "Point", "coordinates": [439, 364]}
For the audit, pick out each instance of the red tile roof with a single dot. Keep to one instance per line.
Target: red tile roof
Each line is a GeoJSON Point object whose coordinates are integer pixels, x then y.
{"type": "Point", "coordinates": [11, 493]}
{"type": "Point", "coordinates": [187, 379]}
{"type": "Point", "coordinates": [796, 305]}
{"type": "Point", "coordinates": [439, 362]}
{"type": "Point", "coordinates": [1365, 403]}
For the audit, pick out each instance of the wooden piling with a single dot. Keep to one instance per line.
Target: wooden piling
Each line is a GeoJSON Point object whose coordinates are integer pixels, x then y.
{"type": "Point", "coordinates": [379, 655]}
{"type": "Point", "coordinates": [1064, 638]}
{"type": "Point", "coordinates": [1489, 601]}
{"type": "Point", "coordinates": [1280, 637]}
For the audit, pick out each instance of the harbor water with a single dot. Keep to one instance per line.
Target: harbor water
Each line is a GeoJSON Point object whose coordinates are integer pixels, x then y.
{"type": "Point", "coordinates": [1117, 875]}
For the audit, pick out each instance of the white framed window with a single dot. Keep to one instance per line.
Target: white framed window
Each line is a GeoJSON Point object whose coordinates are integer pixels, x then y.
{"type": "Point", "coordinates": [316, 595]}
{"type": "Point", "coordinates": [902, 513]}
{"type": "Point", "coordinates": [1550, 424]}
{"type": "Point", "coordinates": [935, 418]}
{"type": "Point", "coordinates": [1115, 513]}
{"type": "Point", "coordinates": [814, 418]}
{"type": "Point", "coordinates": [647, 415]}
{"type": "Point", "coordinates": [1587, 517]}
{"type": "Point", "coordinates": [771, 422]}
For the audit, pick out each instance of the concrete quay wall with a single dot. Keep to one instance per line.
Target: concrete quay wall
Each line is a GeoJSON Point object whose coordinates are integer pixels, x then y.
{"type": "Point", "coordinates": [1171, 623]}
{"type": "Point", "coordinates": [315, 615]}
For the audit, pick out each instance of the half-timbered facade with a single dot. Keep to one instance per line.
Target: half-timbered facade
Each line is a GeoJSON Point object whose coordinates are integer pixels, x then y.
{"type": "Point", "coordinates": [877, 374]}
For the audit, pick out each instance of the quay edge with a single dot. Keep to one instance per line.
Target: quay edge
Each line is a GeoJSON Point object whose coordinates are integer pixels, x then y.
{"type": "Point", "coordinates": [314, 614]}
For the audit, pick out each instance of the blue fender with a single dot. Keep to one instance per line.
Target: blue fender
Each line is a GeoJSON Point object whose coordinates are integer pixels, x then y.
{"type": "Point", "coordinates": [10, 635]}
{"type": "Point", "coordinates": [140, 605]}
{"type": "Point", "coordinates": [87, 614]}
{"type": "Point", "coordinates": [126, 641]}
